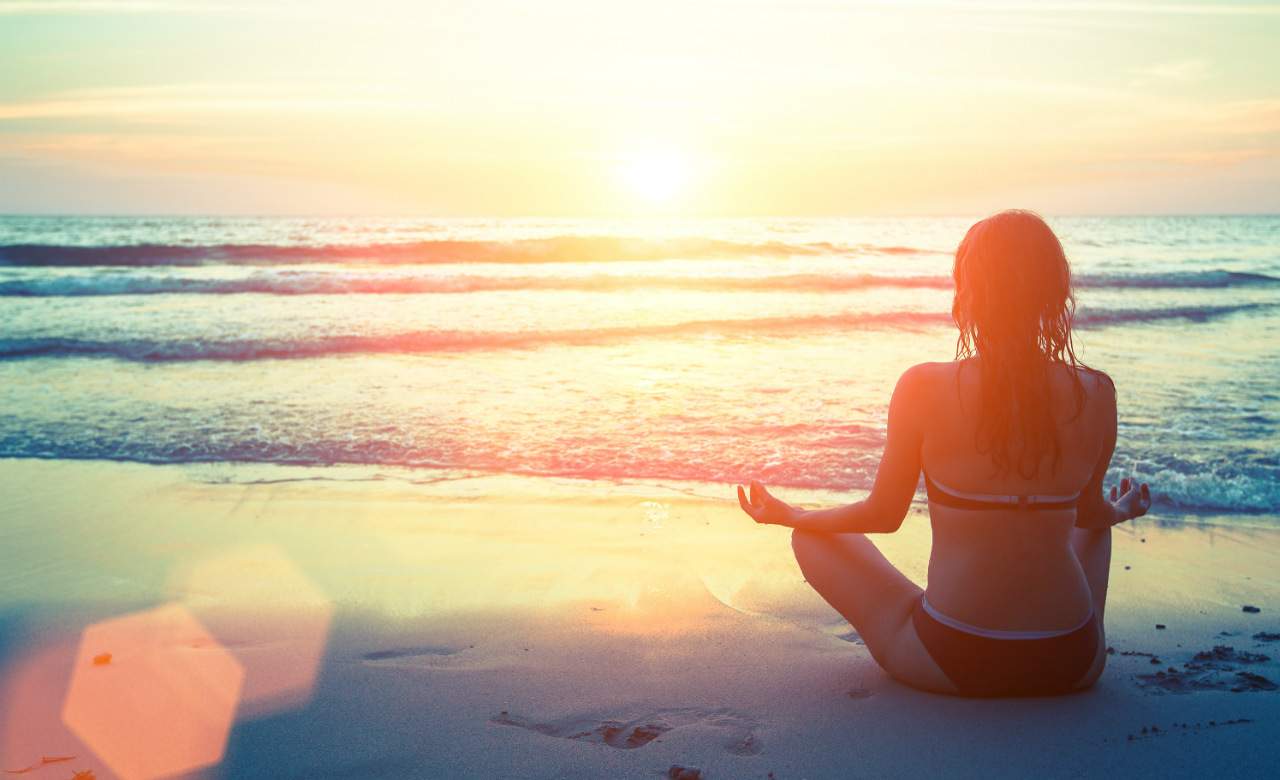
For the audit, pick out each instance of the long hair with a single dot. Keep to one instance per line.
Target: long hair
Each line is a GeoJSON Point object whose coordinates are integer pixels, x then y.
{"type": "Point", "coordinates": [1014, 308]}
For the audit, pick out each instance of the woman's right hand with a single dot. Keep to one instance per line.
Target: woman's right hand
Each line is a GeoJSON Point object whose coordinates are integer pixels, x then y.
{"type": "Point", "coordinates": [1132, 499]}
{"type": "Point", "coordinates": [764, 508]}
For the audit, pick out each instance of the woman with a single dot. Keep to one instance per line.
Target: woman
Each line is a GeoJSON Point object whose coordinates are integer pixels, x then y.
{"type": "Point", "coordinates": [1014, 438]}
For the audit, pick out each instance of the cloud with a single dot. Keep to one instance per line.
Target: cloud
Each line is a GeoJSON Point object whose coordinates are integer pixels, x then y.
{"type": "Point", "coordinates": [1218, 159]}
{"type": "Point", "coordinates": [44, 7]}
{"type": "Point", "coordinates": [1174, 9]}
{"type": "Point", "coordinates": [161, 102]}
{"type": "Point", "coordinates": [1206, 134]}
{"type": "Point", "coordinates": [1031, 7]}
{"type": "Point", "coordinates": [1021, 7]}
{"type": "Point", "coordinates": [1257, 117]}
{"type": "Point", "coordinates": [1177, 72]}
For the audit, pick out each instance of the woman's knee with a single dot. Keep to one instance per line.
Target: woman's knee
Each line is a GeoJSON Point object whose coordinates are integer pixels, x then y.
{"type": "Point", "coordinates": [804, 543]}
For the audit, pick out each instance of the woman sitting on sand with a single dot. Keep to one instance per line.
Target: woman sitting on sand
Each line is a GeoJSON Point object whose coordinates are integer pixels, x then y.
{"type": "Point", "coordinates": [1014, 438]}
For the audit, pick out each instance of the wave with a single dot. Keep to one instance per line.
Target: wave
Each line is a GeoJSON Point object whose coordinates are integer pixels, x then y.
{"type": "Point", "coordinates": [347, 283]}
{"type": "Point", "coordinates": [560, 249]}
{"type": "Point", "coordinates": [321, 283]}
{"type": "Point", "coordinates": [443, 341]}
{"type": "Point", "coordinates": [429, 342]}
{"type": "Point", "coordinates": [1105, 317]}
{"type": "Point", "coordinates": [1214, 279]}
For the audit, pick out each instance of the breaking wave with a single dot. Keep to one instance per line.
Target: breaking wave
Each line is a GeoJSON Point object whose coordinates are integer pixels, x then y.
{"type": "Point", "coordinates": [562, 249]}
{"type": "Point", "coordinates": [440, 341]}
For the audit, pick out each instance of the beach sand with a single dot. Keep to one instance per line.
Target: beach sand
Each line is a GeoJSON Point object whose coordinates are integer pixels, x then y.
{"type": "Point", "coordinates": [352, 622]}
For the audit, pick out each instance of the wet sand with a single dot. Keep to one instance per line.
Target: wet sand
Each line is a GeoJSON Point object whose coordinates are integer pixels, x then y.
{"type": "Point", "coordinates": [247, 621]}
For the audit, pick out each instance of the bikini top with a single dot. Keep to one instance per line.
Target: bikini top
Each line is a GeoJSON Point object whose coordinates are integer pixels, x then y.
{"type": "Point", "coordinates": [959, 499]}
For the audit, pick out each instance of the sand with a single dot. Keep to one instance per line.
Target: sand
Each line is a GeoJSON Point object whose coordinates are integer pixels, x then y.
{"type": "Point", "coordinates": [251, 621]}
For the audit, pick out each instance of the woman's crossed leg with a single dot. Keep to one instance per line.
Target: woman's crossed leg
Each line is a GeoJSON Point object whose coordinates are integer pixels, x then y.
{"type": "Point", "coordinates": [854, 577]}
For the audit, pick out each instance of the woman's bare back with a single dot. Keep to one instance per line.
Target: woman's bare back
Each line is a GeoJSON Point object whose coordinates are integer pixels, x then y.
{"type": "Point", "coordinates": [1010, 569]}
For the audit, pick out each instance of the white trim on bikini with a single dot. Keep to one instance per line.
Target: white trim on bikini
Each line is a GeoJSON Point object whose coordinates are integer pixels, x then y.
{"type": "Point", "coordinates": [992, 633]}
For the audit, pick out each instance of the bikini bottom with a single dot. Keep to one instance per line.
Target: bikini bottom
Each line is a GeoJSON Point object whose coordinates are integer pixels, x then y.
{"type": "Point", "coordinates": [1036, 663]}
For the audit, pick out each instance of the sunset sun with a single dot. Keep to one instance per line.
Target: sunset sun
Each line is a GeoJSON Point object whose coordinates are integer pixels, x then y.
{"type": "Point", "coordinates": [655, 176]}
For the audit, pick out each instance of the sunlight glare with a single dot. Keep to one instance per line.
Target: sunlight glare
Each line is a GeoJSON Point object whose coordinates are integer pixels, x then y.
{"type": "Point", "coordinates": [655, 175]}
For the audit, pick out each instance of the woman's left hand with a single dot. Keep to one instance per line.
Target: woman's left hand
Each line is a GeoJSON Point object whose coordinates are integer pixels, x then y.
{"type": "Point", "coordinates": [1132, 499]}
{"type": "Point", "coordinates": [764, 508]}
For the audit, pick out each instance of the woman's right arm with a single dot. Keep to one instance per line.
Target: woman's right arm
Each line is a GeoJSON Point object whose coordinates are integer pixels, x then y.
{"type": "Point", "coordinates": [884, 509]}
{"type": "Point", "coordinates": [1132, 499]}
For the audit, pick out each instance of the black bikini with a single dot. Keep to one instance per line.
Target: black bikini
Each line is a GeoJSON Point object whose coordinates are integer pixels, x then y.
{"type": "Point", "coordinates": [991, 662]}
{"type": "Point", "coordinates": [961, 500]}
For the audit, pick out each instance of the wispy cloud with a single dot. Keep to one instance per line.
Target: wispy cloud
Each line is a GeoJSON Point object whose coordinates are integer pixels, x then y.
{"type": "Point", "coordinates": [159, 102]}
{"type": "Point", "coordinates": [1211, 158]}
{"type": "Point", "coordinates": [1084, 7]}
{"type": "Point", "coordinates": [1177, 72]}
{"type": "Point", "coordinates": [1188, 132]}
{"type": "Point", "coordinates": [166, 152]}
{"type": "Point", "coordinates": [1245, 117]}
{"type": "Point", "coordinates": [41, 7]}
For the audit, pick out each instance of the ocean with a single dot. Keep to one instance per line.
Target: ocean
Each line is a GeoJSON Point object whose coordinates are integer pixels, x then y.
{"type": "Point", "coordinates": [687, 351]}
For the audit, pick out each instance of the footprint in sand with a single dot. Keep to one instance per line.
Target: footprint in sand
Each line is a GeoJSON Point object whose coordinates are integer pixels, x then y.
{"type": "Point", "coordinates": [443, 658]}
{"type": "Point", "coordinates": [409, 652]}
{"type": "Point", "coordinates": [738, 731]}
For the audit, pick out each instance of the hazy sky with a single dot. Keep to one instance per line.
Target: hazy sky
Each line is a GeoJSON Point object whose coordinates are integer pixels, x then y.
{"type": "Point", "coordinates": [592, 107]}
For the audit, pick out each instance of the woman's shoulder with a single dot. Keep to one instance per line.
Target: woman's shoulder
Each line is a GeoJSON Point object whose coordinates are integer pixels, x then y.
{"type": "Point", "coordinates": [930, 372]}
{"type": "Point", "coordinates": [925, 372]}
{"type": "Point", "coordinates": [923, 377]}
{"type": "Point", "coordinates": [1089, 390]}
{"type": "Point", "coordinates": [1096, 383]}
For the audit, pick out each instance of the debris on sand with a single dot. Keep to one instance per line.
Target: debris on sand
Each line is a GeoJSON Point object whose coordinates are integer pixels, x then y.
{"type": "Point", "coordinates": [1155, 731]}
{"type": "Point", "coordinates": [1248, 681]}
{"type": "Point", "coordinates": [1228, 654]}
{"type": "Point", "coordinates": [44, 761]}
{"type": "Point", "coordinates": [1193, 677]}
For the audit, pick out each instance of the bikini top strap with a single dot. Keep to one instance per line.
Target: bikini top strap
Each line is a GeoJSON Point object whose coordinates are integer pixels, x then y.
{"type": "Point", "coordinates": [952, 498]}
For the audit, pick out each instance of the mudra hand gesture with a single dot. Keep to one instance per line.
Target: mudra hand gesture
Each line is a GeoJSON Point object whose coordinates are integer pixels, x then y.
{"type": "Point", "coordinates": [764, 508]}
{"type": "Point", "coordinates": [1132, 499]}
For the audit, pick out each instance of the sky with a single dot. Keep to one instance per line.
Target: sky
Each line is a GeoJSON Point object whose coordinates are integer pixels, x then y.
{"type": "Point", "coordinates": [584, 108]}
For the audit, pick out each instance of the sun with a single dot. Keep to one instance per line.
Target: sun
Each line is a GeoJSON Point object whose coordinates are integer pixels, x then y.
{"type": "Point", "coordinates": [656, 176]}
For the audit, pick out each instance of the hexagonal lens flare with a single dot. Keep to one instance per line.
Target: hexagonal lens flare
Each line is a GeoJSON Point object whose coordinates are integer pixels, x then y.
{"type": "Point", "coordinates": [153, 693]}
{"type": "Point", "coordinates": [269, 615]}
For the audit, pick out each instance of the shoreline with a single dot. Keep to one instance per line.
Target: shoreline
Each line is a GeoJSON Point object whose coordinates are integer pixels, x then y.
{"type": "Point", "coordinates": [504, 626]}
{"type": "Point", "coordinates": [215, 472]}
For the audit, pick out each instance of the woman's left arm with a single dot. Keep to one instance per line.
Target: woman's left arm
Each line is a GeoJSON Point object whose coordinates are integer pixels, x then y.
{"type": "Point", "coordinates": [896, 479]}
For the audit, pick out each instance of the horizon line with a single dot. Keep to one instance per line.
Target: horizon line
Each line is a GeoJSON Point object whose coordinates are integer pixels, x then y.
{"type": "Point", "coordinates": [636, 217]}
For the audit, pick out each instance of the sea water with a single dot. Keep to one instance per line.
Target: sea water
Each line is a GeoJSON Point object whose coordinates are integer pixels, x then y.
{"type": "Point", "coordinates": [679, 351]}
